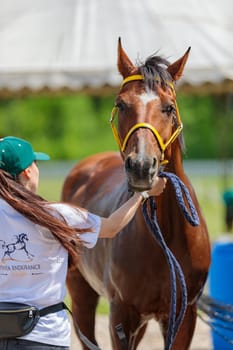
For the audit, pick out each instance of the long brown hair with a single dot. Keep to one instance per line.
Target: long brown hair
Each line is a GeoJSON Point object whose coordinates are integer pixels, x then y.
{"type": "Point", "coordinates": [36, 209]}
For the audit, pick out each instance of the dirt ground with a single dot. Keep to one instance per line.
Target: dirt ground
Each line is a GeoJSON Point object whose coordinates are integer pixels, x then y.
{"type": "Point", "coordinates": [152, 339]}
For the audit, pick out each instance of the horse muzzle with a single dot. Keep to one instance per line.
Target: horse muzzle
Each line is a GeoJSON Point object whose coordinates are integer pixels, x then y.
{"type": "Point", "coordinates": [140, 171]}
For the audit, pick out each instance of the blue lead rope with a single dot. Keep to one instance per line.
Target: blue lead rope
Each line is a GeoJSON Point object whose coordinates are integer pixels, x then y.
{"type": "Point", "coordinates": [174, 267]}
{"type": "Point", "coordinates": [181, 190]}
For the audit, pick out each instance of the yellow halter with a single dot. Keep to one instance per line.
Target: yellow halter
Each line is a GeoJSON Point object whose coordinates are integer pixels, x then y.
{"type": "Point", "coordinates": [163, 146]}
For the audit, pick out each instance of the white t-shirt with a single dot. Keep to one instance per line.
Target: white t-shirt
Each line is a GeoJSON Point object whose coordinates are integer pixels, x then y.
{"type": "Point", "coordinates": [33, 266]}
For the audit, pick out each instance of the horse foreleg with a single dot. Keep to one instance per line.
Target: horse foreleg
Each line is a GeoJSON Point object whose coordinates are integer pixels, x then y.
{"type": "Point", "coordinates": [185, 334]}
{"type": "Point", "coordinates": [131, 332]}
{"type": "Point", "coordinates": [84, 303]}
{"type": "Point", "coordinates": [140, 335]}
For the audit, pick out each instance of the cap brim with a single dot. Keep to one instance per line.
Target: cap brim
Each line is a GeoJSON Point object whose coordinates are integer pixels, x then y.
{"type": "Point", "coordinates": [41, 156]}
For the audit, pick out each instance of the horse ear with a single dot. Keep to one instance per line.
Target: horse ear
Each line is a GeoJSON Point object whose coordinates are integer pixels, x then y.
{"type": "Point", "coordinates": [176, 69]}
{"type": "Point", "coordinates": [125, 66]}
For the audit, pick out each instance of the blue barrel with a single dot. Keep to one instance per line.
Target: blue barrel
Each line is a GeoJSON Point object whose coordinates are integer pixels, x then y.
{"type": "Point", "coordinates": [221, 287]}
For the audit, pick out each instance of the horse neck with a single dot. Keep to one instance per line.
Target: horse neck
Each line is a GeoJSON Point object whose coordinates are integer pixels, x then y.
{"type": "Point", "coordinates": [175, 166]}
{"type": "Point", "coordinates": [175, 163]}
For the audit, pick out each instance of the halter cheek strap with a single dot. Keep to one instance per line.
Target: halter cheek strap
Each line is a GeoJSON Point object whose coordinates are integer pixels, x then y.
{"type": "Point", "coordinates": [162, 145]}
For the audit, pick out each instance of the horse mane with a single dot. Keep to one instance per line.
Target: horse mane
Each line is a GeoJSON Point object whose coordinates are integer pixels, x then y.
{"type": "Point", "coordinates": [155, 72]}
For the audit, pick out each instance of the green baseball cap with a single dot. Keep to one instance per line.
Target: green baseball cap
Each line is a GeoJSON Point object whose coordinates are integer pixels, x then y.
{"type": "Point", "coordinates": [17, 154]}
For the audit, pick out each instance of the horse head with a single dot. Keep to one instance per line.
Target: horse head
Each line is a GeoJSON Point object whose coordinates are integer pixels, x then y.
{"type": "Point", "coordinates": [22, 237]}
{"type": "Point", "coordinates": [148, 117]}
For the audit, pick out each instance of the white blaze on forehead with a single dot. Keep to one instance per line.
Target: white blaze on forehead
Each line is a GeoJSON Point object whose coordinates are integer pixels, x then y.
{"type": "Point", "coordinates": [148, 97]}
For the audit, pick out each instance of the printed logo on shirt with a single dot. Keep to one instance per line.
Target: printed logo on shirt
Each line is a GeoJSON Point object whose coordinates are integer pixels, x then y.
{"type": "Point", "coordinates": [34, 269]}
{"type": "Point", "coordinates": [16, 250]}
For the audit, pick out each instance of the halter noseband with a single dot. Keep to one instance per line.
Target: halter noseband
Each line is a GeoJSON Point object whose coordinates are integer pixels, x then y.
{"type": "Point", "coordinates": [162, 145]}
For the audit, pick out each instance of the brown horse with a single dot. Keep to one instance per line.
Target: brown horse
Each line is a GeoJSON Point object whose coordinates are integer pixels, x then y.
{"type": "Point", "coordinates": [131, 270]}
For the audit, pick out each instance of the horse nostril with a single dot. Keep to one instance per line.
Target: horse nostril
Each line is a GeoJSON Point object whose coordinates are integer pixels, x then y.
{"type": "Point", "coordinates": [128, 163]}
{"type": "Point", "coordinates": [154, 163]}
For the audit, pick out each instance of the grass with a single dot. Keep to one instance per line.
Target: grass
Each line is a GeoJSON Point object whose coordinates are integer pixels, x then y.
{"type": "Point", "coordinates": [209, 193]}
{"type": "Point", "coordinates": [50, 188]}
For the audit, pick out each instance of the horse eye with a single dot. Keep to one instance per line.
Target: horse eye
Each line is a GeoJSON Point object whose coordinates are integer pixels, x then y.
{"type": "Point", "coordinates": [121, 105]}
{"type": "Point", "coordinates": [168, 110]}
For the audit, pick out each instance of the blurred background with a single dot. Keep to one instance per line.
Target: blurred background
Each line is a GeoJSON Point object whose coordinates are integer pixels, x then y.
{"type": "Point", "coordinates": [58, 81]}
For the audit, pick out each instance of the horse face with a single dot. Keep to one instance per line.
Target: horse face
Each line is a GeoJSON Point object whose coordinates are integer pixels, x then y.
{"type": "Point", "coordinates": [151, 113]}
{"type": "Point", "coordinates": [148, 118]}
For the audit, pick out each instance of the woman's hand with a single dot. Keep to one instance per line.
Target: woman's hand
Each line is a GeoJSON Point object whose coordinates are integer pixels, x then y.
{"type": "Point", "coordinates": [159, 186]}
{"type": "Point", "coordinates": [120, 218]}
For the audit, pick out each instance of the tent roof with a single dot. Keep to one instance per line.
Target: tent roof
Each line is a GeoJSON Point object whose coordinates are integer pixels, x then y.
{"type": "Point", "coordinates": [72, 44]}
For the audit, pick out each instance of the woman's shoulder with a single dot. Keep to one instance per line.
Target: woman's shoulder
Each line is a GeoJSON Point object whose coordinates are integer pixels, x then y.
{"type": "Point", "coordinates": [76, 216]}
{"type": "Point", "coordinates": [5, 206]}
{"type": "Point", "coordinates": [67, 209]}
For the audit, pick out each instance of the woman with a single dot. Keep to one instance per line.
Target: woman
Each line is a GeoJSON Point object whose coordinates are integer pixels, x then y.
{"type": "Point", "coordinates": [36, 238]}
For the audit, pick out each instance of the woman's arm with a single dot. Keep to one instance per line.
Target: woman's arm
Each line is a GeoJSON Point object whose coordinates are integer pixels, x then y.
{"type": "Point", "coordinates": [122, 216]}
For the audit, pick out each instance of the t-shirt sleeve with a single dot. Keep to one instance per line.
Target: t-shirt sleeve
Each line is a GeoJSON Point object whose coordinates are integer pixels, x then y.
{"type": "Point", "coordinates": [82, 219]}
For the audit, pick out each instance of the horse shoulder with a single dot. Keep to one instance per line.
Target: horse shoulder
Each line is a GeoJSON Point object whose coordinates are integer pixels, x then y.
{"type": "Point", "coordinates": [89, 175]}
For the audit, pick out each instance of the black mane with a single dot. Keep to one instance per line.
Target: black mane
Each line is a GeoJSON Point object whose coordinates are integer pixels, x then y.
{"type": "Point", "coordinates": [154, 71]}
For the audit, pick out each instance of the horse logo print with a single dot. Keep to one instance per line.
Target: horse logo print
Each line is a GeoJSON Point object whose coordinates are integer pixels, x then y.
{"type": "Point", "coordinates": [12, 250]}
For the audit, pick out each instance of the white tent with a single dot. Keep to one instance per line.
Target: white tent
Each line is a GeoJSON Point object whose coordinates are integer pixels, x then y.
{"type": "Point", "coordinates": [72, 44]}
